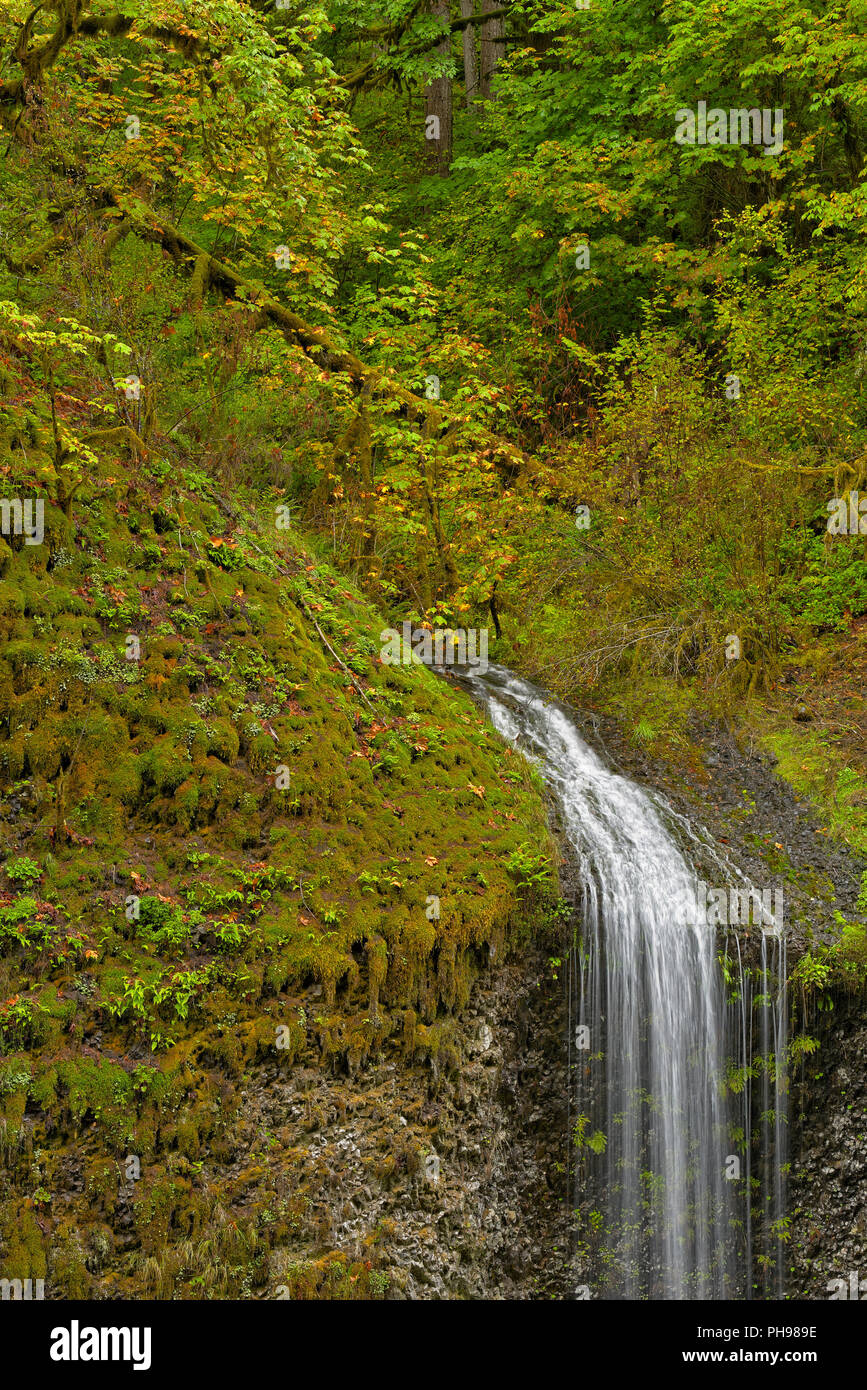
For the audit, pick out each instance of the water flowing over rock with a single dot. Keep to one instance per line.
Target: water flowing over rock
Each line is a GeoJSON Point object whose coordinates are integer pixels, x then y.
{"type": "Point", "coordinates": [678, 1101]}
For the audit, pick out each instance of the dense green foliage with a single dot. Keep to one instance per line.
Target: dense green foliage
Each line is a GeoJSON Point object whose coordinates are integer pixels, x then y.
{"type": "Point", "coordinates": [602, 386]}
{"type": "Point", "coordinates": [594, 388]}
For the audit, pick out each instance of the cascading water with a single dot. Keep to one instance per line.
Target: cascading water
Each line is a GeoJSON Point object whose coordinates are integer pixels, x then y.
{"type": "Point", "coordinates": [665, 1190]}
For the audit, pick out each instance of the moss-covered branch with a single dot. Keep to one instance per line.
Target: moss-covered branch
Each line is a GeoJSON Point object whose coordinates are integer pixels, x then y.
{"type": "Point", "coordinates": [34, 259]}
{"type": "Point", "coordinates": [316, 342]}
{"type": "Point", "coordinates": [71, 24]}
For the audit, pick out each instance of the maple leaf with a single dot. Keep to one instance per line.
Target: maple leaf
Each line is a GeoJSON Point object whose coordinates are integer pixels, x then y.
{"type": "Point", "coordinates": [477, 791]}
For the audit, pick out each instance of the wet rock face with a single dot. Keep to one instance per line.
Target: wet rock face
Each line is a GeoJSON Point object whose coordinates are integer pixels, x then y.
{"type": "Point", "coordinates": [828, 1183]}
{"type": "Point", "coordinates": [756, 817]}
{"type": "Point", "coordinates": [453, 1184]}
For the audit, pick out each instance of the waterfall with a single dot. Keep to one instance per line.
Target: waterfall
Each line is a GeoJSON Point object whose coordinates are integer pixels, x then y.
{"type": "Point", "coordinates": [663, 1109]}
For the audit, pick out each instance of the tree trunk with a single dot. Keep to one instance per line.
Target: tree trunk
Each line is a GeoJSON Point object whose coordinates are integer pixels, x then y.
{"type": "Point", "coordinates": [471, 66]}
{"type": "Point", "coordinates": [438, 107]}
{"type": "Point", "coordinates": [492, 50]}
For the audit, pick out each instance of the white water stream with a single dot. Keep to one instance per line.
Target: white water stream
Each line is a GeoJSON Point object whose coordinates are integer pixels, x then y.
{"type": "Point", "coordinates": [666, 1153]}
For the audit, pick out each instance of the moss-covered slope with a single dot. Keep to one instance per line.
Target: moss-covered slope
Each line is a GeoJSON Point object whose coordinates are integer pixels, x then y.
{"type": "Point", "coordinates": [231, 836]}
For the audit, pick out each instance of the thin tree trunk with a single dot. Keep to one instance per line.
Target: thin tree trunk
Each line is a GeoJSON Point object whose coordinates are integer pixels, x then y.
{"type": "Point", "coordinates": [492, 50]}
{"type": "Point", "coordinates": [471, 65]}
{"type": "Point", "coordinates": [438, 107]}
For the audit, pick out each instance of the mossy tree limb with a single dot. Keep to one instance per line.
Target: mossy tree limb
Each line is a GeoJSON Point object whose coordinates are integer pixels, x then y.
{"type": "Point", "coordinates": [35, 61]}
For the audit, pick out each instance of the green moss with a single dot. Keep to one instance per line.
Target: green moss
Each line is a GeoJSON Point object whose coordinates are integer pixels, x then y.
{"type": "Point", "coordinates": [23, 1245]}
{"type": "Point", "coordinates": [833, 778]}
{"type": "Point", "coordinates": [261, 907]}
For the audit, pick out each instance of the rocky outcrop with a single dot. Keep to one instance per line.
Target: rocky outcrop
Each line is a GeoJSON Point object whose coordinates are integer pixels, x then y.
{"type": "Point", "coordinates": [828, 1181]}
{"type": "Point", "coordinates": [450, 1180]}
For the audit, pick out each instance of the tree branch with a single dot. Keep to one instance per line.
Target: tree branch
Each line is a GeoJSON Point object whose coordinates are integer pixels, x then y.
{"type": "Point", "coordinates": [71, 25]}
